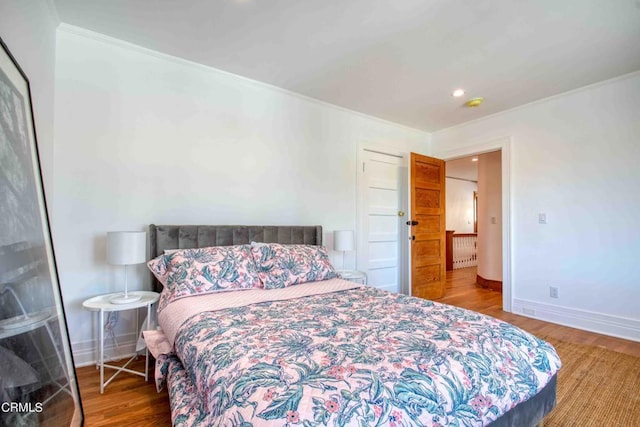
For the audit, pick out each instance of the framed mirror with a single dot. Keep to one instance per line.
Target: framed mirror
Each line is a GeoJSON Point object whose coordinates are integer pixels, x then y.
{"type": "Point", "coordinates": [38, 383]}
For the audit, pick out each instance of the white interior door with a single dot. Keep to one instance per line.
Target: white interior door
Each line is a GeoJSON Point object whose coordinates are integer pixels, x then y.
{"type": "Point", "coordinates": [381, 218]}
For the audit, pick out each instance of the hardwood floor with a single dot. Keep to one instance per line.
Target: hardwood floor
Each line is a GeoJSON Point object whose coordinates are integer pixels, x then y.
{"type": "Point", "coordinates": [129, 401]}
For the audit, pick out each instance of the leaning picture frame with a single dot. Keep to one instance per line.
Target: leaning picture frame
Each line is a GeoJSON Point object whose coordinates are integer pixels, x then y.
{"type": "Point", "coordinates": [38, 383]}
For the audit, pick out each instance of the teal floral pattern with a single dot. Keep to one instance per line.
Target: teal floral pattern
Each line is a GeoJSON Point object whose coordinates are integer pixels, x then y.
{"type": "Point", "coordinates": [280, 266]}
{"type": "Point", "coordinates": [190, 272]}
{"type": "Point", "coordinates": [361, 357]}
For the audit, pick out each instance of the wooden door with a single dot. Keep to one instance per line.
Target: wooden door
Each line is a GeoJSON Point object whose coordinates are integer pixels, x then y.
{"type": "Point", "coordinates": [427, 223]}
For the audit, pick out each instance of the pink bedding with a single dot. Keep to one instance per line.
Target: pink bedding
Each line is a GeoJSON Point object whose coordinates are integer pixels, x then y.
{"type": "Point", "coordinates": [336, 353]}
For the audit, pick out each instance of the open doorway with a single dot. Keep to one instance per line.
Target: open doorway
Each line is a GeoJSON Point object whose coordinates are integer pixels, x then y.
{"type": "Point", "coordinates": [504, 145]}
{"type": "Point", "coordinates": [474, 224]}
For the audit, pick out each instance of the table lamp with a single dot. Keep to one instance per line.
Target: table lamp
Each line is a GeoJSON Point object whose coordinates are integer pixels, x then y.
{"type": "Point", "coordinates": [343, 241]}
{"type": "Point", "coordinates": [126, 248]}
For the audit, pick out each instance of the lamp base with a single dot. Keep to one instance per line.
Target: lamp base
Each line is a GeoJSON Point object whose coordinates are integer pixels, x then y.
{"type": "Point", "coordinates": [122, 299]}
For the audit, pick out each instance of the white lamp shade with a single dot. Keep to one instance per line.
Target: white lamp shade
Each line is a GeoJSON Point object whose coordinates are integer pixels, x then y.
{"type": "Point", "coordinates": [343, 240]}
{"type": "Point", "coordinates": [126, 247]}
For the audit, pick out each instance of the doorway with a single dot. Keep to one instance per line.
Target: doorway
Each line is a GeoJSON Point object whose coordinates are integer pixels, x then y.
{"type": "Point", "coordinates": [474, 218]}
{"type": "Point", "coordinates": [503, 146]}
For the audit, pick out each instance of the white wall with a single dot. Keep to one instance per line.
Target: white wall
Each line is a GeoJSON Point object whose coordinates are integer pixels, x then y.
{"type": "Point", "coordinates": [574, 157]}
{"type": "Point", "coordinates": [28, 28]}
{"type": "Point", "coordinates": [490, 216]}
{"type": "Point", "coordinates": [460, 205]}
{"type": "Point", "coordinates": [145, 138]}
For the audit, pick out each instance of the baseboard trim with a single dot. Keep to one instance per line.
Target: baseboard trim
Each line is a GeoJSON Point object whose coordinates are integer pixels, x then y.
{"type": "Point", "coordinates": [85, 353]}
{"type": "Point", "coordinates": [606, 324]}
{"type": "Point", "coordinates": [494, 285]}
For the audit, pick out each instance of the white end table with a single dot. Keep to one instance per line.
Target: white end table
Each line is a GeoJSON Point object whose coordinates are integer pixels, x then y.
{"type": "Point", "coordinates": [354, 276]}
{"type": "Point", "coordinates": [102, 304]}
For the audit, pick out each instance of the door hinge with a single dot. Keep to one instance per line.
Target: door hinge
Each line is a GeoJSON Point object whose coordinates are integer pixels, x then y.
{"type": "Point", "coordinates": [363, 163]}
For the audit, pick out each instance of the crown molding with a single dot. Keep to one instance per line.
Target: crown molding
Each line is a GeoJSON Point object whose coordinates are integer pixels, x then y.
{"type": "Point", "coordinates": [102, 38]}
{"type": "Point", "coordinates": [630, 75]}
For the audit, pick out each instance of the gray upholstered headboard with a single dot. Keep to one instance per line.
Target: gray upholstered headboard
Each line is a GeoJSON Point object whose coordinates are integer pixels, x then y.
{"type": "Point", "coordinates": [164, 237]}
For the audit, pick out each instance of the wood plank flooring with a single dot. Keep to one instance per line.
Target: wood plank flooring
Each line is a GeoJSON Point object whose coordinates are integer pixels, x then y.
{"type": "Point", "coordinates": [129, 401]}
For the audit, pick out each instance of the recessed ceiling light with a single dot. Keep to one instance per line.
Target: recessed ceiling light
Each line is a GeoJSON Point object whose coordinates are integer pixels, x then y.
{"type": "Point", "coordinates": [474, 159]}
{"type": "Point", "coordinates": [458, 93]}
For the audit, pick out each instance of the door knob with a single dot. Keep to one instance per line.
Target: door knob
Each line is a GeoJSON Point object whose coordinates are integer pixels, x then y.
{"type": "Point", "coordinates": [412, 222]}
{"type": "Point", "coordinates": [400, 213]}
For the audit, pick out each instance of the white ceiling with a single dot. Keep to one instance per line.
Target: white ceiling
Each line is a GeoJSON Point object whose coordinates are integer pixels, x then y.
{"type": "Point", "coordinates": [398, 60]}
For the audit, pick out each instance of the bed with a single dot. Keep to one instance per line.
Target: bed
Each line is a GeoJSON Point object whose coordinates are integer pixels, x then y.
{"type": "Point", "coordinates": [329, 352]}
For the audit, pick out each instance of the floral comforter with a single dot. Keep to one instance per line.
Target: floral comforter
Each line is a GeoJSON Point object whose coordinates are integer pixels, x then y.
{"type": "Point", "coordinates": [359, 357]}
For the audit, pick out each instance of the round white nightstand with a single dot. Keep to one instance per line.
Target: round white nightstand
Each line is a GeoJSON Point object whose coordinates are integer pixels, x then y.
{"type": "Point", "coordinates": [353, 276]}
{"type": "Point", "coordinates": [102, 304]}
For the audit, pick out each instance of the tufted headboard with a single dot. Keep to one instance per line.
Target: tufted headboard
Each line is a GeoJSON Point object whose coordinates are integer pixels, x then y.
{"type": "Point", "coordinates": [164, 237]}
